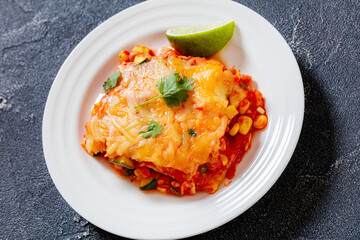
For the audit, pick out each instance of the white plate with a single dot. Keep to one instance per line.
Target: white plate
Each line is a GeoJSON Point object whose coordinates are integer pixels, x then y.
{"type": "Point", "coordinates": [93, 190]}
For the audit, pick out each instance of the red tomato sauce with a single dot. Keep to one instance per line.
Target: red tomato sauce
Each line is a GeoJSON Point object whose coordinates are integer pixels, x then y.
{"type": "Point", "coordinates": [235, 151]}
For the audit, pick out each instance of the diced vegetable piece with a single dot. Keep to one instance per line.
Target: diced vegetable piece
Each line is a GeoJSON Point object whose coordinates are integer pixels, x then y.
{"type": "Point", "coordinates": [246, 79]}
{"type": "Point", "coordinates": [231, 111]}
{"type": "Point", "coordinates": [175, 184]}
{"type": "Point", "coordinates": [123, 56]}
{"type": "Point", "coordinates": [148, 184]}
{"type": "Point", "coordinates": [260, 121]}
{"type": "Point", "coordinates": [245, 123]}
{"type": "Point", "coordinates": [214, 163]}
{"type": "Point", "coordinates": [162, 189]}
{"type": "Point", "coordinates": [244, 86]}
{"type": "Point", "coordinates": [140, 58]}
{"type": "Point", "coordinates": [224, 159]}
{"type": "Point", "coordinates": [237, 95]}
{"type": "Point", "coordinates": [227, 183]}
{"type": "Point", "coordinates": [141, 49]}
{"type": "Point", "coordinates": [234, 130]}
{"type": "Point", "coordinates": [260, 110]}
{"type": "Point", "coordinates": [164, 180]}
{"type": "Point", "coordinates": [234, 100]}
{"type": "Point", "coordinates": [259, 98]}
{"type": "Point", "coordinates": [244, 106]}
{"type": "Point", "coordinates": [128, 172]}
{"type": "Point", "coordinates": [123, 161]}
{"type": "Point", "coordinates": [143, 172]}
{"type": "Point", "coordinates": [204, 168]}
{"type": "Point", "coordinates": [145, 181]}
{"type": "Point", "coordinates": [173, 191]}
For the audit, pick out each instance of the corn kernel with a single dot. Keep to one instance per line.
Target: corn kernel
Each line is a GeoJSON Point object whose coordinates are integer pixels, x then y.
{"type": "Point", "coordinates": [260, 110]}
{"type": "Point", "coordinates": [123, 56]}
{"type": "Point", "coordinates": [234, 130]}
{"type": "Point", "coordinates": [245, 123]}
{"type": "Point", "coordinates": [141, 49]}
{"type": "Point", "coordinates": [244, 106]}
{"type": "Point", "coordinates": [231, 111]}
{"type": "Point", "coordinates": [224, 159]}
{"type": "Point", "coordinates": [260, 121]}
{"type": "Point", "coordinates": [140, 58]}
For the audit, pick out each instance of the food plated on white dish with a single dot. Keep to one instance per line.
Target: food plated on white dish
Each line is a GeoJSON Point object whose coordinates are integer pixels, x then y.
{"type": "Point", "coordinates": [92, 187]}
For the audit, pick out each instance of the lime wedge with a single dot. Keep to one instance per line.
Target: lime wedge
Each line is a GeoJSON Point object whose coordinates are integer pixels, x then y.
{"type": "Point", "coordinates": [201, 40]}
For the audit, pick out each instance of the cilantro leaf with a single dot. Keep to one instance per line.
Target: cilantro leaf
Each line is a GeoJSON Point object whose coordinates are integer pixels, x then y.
{"type": "Point", "coordinates": [111, 82]}
{"type": "Point", "coordinates": [192, 132]}
{"type": "Point", "coordinates": [173, 90]}
{"type": "Point", "coordinates": [153, 129]}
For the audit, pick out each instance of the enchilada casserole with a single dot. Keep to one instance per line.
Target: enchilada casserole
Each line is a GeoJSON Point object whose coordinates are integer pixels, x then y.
{"type": "Point", "coordinates": [178, 124]}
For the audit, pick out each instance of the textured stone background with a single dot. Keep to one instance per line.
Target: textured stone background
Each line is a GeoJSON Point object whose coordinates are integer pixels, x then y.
{"type": "Point", "coordinates": [318, 195]}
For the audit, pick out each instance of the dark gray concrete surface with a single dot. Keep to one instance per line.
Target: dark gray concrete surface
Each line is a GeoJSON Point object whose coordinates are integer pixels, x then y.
{"type": "Point", "coordinates": [318, 195]}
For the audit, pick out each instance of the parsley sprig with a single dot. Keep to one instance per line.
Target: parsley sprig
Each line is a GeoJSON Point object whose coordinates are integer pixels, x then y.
{"type": "Point", "coordinates": [153, 129]}
{"type": "Point", "coordinates": [192, 132]}
{"type": "Point", "coordinates": [173, 90]}
{"type": "Point", "coordinates": [111, 82]}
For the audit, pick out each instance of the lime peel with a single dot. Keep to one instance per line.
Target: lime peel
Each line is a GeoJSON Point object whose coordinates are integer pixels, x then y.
{"type": "Point", "coordinates": [201, 40]}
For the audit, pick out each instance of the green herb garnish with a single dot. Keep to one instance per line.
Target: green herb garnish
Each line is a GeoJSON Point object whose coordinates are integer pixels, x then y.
{"type": "Point", "coordinates": [111, 82]}
{"type": "Point", "coordinates": [192, 132]}
{"type": "Point", "coordinates": [152, 185]}
{"type": "Point", "coordinates": [173, 90]}
{"type": "Point", "coordinates": [153, 129]}
{"type": "Point", "coordinates": [204, 168]}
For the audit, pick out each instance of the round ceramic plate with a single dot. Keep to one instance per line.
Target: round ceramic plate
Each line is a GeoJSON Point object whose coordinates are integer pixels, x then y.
{"type": "Point", "coordinates": [114, 204]}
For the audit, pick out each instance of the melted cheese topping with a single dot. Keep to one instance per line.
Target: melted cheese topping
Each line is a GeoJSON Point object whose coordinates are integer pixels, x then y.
{"type": "Point", "coordinates": [115, 124]}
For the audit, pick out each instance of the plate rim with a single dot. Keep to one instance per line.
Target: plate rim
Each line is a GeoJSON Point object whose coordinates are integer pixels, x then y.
{"type": "Point", "coordinates": [89, 37]}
